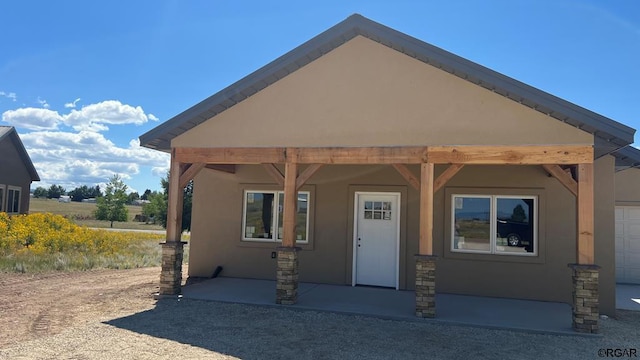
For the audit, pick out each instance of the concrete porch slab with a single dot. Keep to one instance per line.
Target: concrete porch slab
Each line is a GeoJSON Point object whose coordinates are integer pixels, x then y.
{"type": "Point", "coordinates": [510, 314]}
{"type": "Point", "coordinates": [628, 297]}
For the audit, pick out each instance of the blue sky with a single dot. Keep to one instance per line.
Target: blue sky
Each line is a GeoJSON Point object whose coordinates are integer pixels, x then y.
{"type": "Point", "coordinates": [81, 80]}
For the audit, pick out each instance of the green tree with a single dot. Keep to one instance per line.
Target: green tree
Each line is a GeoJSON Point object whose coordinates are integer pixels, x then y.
{"type": "Point", "coordinates": [132, 197]}
{"type": "Point", "coordinates": [55, 191]}
{"type": "Point", "coordinates": [111, 206]}
{"type": "Point", "coordinates": [518, 214]}
{"type": "Point", "coordinates": [84, 192]}
{"type": "Point", "coordinates": [78, 194]}
{"type": "Point", "coordinates": [145, 195]}
{"type": "Point", "coordinates": [40, 192]}
{"type": "Point", "coordinates": [94, 192]}
{"type": "Point", "coordinates": [157, 208]}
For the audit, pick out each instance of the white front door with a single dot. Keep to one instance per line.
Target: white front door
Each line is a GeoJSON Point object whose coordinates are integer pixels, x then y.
{"type": "Point", "coordinates": [376, 239]}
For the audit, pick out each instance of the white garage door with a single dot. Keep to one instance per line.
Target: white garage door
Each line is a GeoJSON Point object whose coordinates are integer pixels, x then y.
{"type": "Point", "coordinates": [628, 244]}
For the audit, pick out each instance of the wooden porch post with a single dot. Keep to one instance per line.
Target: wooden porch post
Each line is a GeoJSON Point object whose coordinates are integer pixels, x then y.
{"type": "Point", "coordinates": [172, 249]}
{"type": "Point", "coordinates": [425, 261]}
{"type": "Point", "coordinates": [426, 208]}
{"type": "Point", "coordinates": [287, 268]}
{"type": "Point", "coordinates": [585, 248]}
{"type": "Point", "coordinates": [290, 205]}
{"type": "Point", "coordinates": [174, 202]}
{"type": "Point", "coordinates": [585, 277]}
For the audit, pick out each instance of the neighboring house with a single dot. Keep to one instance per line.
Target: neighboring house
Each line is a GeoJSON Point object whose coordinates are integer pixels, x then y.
{"type": "Point", "coordinates": [368, 157]}
{"type": "Point", "coordinates": [16, 173]}
{"type": "Point", "coordinates": [627, 234]}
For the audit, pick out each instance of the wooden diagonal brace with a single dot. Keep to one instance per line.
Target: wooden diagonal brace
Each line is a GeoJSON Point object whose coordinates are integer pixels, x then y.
{"type": "Point", "coordinates": [275, 173]}
{"type": "Point", "coordinates": [306, 174]}
{"type": "Point", "coordinates": [407, 175]}
{"type": "Point", "coordinates": [189, 173]}
{"type": "Point", "coordinates": [446, 176]}
{"type": "Point", "coordinates": [565, 179]}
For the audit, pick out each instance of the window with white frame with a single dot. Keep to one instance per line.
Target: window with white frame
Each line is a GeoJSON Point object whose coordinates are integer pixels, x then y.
{"type": "Point", "coordinates": [494, 224]}
{"type": "Point", "coordinates": [13, 199]}
{"type": "Point", "coordinates": [1, 198]}
{"type": "Point", "coordinates": [262, 216]}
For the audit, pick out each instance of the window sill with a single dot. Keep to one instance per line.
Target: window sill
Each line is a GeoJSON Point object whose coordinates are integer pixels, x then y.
{"type": "Point", "coordinates": [266, 244]}
{"type": "Point", "coordinates": [526, 258]}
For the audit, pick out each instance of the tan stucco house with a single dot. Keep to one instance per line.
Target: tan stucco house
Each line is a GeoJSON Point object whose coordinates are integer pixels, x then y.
{"type": "Point", "coordinates": [627, 215]}
{"type": "Point", "coordinates": [16, 173]}
{"type": "Point", "coordinates": [368, 157]}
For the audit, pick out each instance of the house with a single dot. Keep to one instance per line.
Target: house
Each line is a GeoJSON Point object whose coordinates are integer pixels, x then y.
{"type": "Point", "coordinates": [627, 215]}
{"type": "Point", "coordinates": [368, 157]}
{"type": "Point", "coordinates": [16, 173]}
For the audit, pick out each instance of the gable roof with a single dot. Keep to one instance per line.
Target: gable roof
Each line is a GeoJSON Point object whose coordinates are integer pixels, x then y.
{"type": "Point", "coordinates": [609, 134]}
{"type": "Point", "coordinates": [9, 133]}
{"type": "Point", "coordinates": [626, 158]}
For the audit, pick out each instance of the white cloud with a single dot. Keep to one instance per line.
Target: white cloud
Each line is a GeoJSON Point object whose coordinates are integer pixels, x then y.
{"type": "Point", "coordinates": [9, 95]}
{"type": "Point", "coordinates": [93, 117]}
{"type": "Point", "coordinates": [43, 103]}
{"type": "Point", "coordinates": [33, 118]}
{"type": "Point", "coordinates": [72, 104]}
{"type": "Point", "coordinates": [160, 171]}
{"type": "Point", "coordinates": [86, 157]}
{"type": "Point", "coordinates": [111, 112]}
{"type": "Point", "coordinates": [71, 149]}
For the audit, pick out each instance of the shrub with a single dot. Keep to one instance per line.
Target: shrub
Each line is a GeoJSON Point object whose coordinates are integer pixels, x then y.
{"type": "Point", "coordinates": [55, 243]}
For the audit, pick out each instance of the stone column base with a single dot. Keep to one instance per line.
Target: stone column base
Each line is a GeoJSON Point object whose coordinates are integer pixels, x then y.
{"type": "Point", "coordinates": [585, 298]}
{"type": "Point", "coordinates": [171, 273]}
{"type": "Point", "coordinates": [425, 286]}
{"type": "Point", "coordinates": [287, 276]}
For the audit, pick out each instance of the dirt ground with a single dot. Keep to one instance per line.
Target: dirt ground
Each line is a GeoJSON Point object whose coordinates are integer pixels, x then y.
{"type": "Point", "coordinates": [111, 314]}
{"type": "Point", "coordinates": [35, 306]}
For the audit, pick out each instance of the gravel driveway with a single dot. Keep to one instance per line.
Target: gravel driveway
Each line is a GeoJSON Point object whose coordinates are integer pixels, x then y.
{"type": "Point", "coordinates": [193, 329]}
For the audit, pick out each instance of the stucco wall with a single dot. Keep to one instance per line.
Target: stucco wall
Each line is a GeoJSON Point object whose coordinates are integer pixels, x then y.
{"type": "Point", "coordinates": [365, 94]}
{"type": "Point", "coordinates": [604, 214]}
{"type": "Point", "coordinates": [627, 183]}
{"type": "Point", "coordinates": [13, 172]}
{"type": "Point", "coordinates": [217, 214]}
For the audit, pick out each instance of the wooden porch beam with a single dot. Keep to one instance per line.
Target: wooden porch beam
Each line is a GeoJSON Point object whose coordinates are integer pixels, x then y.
{"type": "Point", "coordinates": [426, 209]}
{"type": "Point", "coordinates": [563, 177]}
{"type": "Point", "coordinates": [464, 154]}
{"type": "Point", "coordinates": [449, 173]}
{"type": "Point", "coordinates": [232, 155]}
{"type": "Point", "coordinates": [175, 200]}
{"type": "Point", "coordinates": [511, 155]}
{"type": "Point", "coordinates": [290, 205]}
{"type": "Point", "coordinates": [361, 155]}
{"type": "Point", "coordinates": [306, 174]}
{"type": "Point", "coordinates": [407, 175]}
{"type": "Point", "coordinates": [190, 172]}
{"type": "Point", "coordinates": [585, 245]}
{"type": "Point", "coordinates": [275, 173]}
{"type": "Point", "coordinates": [228, 168]}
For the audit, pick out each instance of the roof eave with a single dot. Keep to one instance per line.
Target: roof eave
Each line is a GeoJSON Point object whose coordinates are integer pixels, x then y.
{"type": "Point", "coordinates": [24, 155]}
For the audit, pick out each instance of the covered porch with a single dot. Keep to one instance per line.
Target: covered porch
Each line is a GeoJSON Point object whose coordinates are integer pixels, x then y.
{"type": "Point", "coordinates": [498, 313]}
{"type": "Point", "coordinates": [187, 162]}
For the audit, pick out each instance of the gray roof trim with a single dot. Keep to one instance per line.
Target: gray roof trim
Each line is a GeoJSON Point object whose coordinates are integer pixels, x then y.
{"type": "Point", "coordinates": [9, 132]}
{"type": "Point", "coordinates": [626, 158]}
{"type": "Point", "coordinates": [610, 131]}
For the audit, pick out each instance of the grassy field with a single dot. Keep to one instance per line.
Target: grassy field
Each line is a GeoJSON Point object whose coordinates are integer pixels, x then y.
{"type": "Point", "coordinates": [82, 214]}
